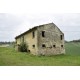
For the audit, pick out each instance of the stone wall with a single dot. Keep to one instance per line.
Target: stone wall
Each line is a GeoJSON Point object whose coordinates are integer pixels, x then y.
{"type": "Point", "coordinates": [52, 37]}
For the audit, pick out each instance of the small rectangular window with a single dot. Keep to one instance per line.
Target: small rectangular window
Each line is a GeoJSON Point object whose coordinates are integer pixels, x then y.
{"type": "Point", "coordinates": [61, 37]}
{"type": "Point", "coordinates": [23, 39]}
{"type": "Point", "coordinates": [33, 34]}
{"type": "Point", "coordinates": [16, 41]}
{"type": "Point", "coordinates": [62, 46]}
{"type": "Point", "coordinates": [43, 33]}
{"type": "Point", "coordinates": [54, 46]}
{"type": "Point", "coordinates": [43, 45]}
{"type": "Point", "coordinates": [33, 46]}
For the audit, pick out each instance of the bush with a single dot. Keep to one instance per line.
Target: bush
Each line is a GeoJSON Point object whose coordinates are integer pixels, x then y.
{"type": "Point", "coordinates": [23, 47]}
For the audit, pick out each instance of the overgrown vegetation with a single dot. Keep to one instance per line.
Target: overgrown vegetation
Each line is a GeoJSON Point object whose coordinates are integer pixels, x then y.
{"type": "Point", "coordinates": [10, 57]}
{"type": "Point", "coordinates": [23, 47]}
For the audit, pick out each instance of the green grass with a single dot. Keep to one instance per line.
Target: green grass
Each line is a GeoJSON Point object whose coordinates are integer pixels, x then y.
{"type": "Point", "coordinates": [73, 48]}
{"type": "Point", "coordinates": [10, 57]}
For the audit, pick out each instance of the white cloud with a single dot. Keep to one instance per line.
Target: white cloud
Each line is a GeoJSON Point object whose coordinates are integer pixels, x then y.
{"type": "Point", "coordinates": [12, 25]}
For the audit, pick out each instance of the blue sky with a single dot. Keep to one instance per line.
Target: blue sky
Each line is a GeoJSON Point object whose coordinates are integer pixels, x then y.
{"type": "Point", "coordinates": [12, 25]}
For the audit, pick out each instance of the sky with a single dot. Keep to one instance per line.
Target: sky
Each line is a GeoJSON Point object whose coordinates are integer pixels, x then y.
{"type": "Point", "coordinates": [18, 16]}
{"type": "Point", "coordinates": [12, 25]}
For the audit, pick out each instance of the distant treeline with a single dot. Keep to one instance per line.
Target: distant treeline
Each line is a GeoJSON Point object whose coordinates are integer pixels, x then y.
{"type": "Point", "coordinates": [73, 41]}
{"type": "Point", "coordinates": [6, 43]}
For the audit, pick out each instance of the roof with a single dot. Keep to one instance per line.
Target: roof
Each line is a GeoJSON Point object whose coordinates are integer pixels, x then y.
{"type": "Point", "coordinates": [34, 28]}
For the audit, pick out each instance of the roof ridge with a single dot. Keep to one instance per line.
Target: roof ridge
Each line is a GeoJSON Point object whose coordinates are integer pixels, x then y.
{"type": "Point", "coordinates": [35, 27]}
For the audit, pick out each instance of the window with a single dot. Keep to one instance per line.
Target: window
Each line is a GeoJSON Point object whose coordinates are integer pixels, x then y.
{"type": "Point", "coordinates": [61, 37]}
{"type": "Point", "coordinates": [16, 42]}
{"type": "Point", "coordinates": [43, 33]}
{"type": "Point", "coordinates": [23, 39]}
{"type": "Point", "coordinates": [33, 34]}
{"type": "Point", "coordinates": [54, 46]}
{"type": "Point", "coordinates": [33, 46]}
{"type": "Point", "coordinates": [43, 45]}
{"type": "Point", "coordinates": [62, 46]}
{"type": "Point", "coordinates": [29, 51]}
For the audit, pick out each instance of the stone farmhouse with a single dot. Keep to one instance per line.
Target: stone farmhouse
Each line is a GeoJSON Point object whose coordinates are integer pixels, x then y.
{"type": "Point", "coordinates": [46, 39]}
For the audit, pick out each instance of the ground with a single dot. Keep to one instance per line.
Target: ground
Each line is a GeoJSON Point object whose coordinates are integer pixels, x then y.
{"type": "Point", "coordinates": [10, 57]}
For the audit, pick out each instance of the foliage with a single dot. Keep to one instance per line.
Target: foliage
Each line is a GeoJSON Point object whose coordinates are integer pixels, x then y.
{"type": "Point", "coordinates": [23, 47]}
{"type": "Point", "coordinates": [1, 43]}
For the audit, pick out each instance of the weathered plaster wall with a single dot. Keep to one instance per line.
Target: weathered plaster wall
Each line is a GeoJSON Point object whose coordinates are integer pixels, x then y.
{"type": "Point", "coordinates": [30, 41]}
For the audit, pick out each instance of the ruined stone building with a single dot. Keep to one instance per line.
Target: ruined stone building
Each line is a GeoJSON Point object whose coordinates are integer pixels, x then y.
{"type": "Point", "coordinates": [45, 39]}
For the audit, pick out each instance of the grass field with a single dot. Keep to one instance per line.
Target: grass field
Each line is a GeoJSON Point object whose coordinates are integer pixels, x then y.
{"type": "Point", "coordinates": [10, 57]}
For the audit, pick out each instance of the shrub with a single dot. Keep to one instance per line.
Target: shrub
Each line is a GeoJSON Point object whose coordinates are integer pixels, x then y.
{"type": "Point", "coordinates": [23, 47]}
